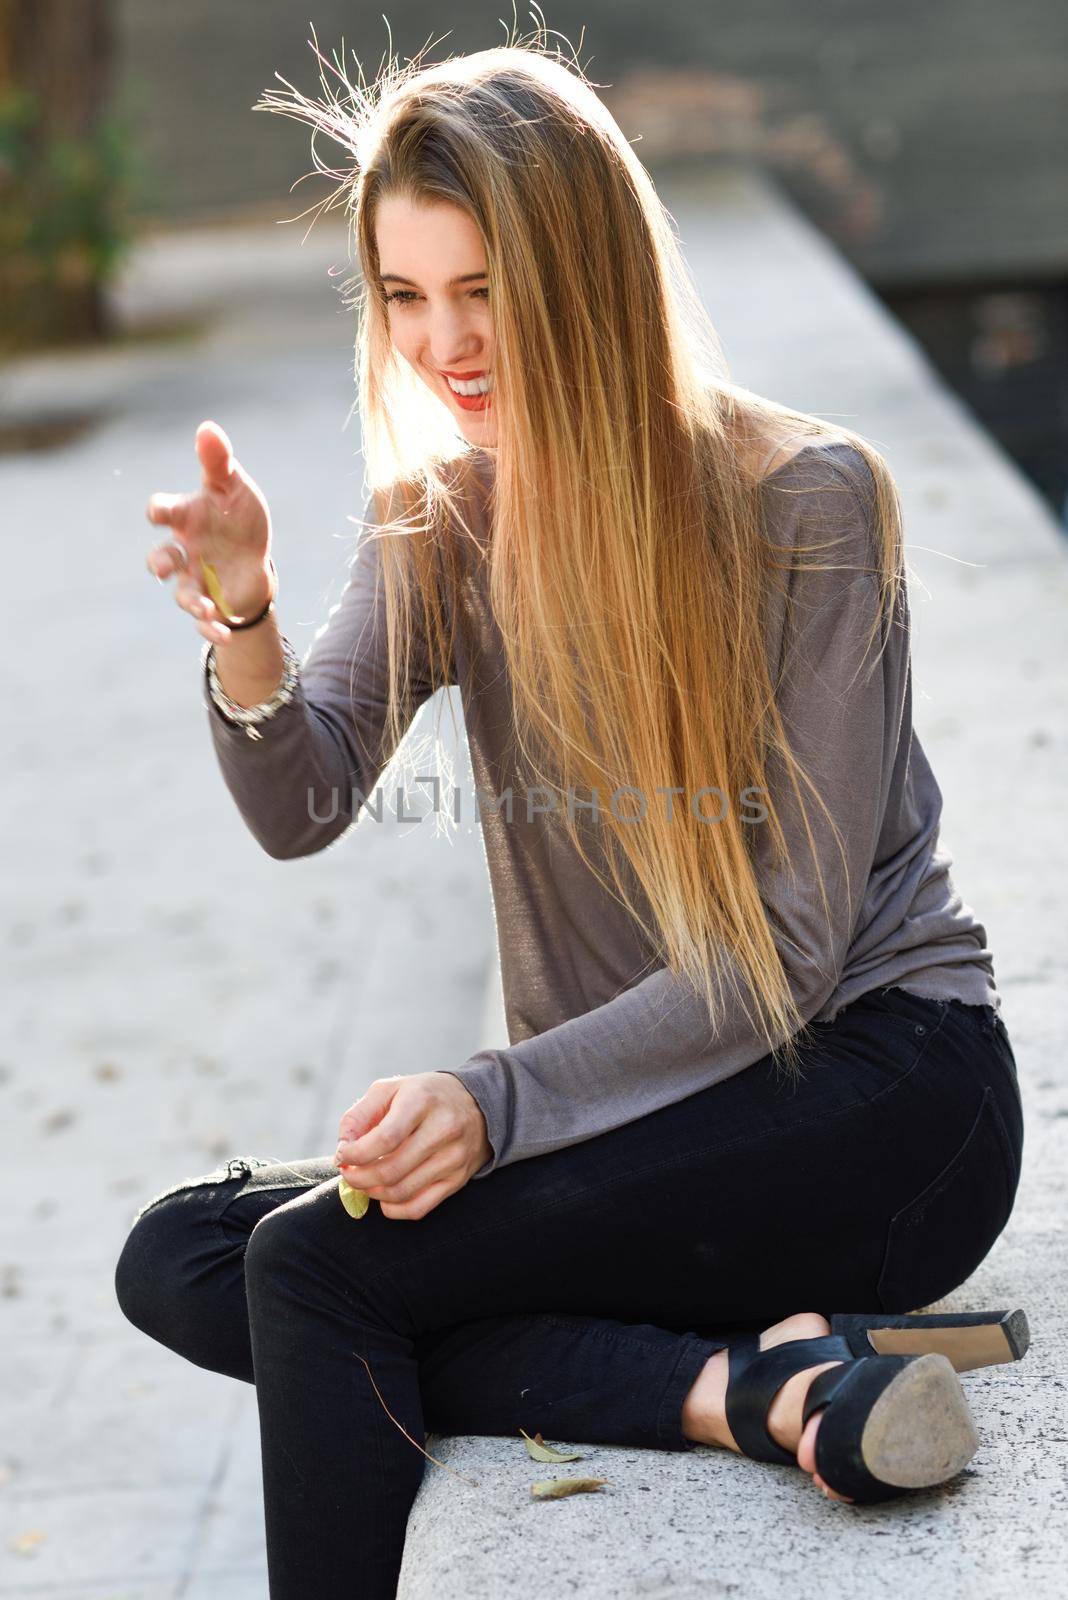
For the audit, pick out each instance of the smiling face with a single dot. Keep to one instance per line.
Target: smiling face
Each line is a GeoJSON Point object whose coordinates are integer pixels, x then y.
{"type": "Point", "coordinates": [433, 268]}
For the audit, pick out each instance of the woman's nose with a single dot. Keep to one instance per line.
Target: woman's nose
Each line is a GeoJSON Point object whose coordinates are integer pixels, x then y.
{"type": "Point", "coordinates": [453, 346]}
{"type": "Point", "coordinates": [454, 360]}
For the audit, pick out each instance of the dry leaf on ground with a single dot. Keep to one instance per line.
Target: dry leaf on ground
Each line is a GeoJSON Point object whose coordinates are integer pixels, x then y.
{"type": "Point", "coordinates": [557, 1488]}
{"type": "Point", "coordinates": [545, 1452]}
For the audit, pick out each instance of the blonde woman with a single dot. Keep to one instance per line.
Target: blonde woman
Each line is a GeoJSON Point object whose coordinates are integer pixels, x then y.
{"type": "Point", "coordinates": [756, 1059]}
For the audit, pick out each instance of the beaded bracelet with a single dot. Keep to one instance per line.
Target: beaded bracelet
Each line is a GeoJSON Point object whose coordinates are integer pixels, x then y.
{"type": "Point", "coordinates": [248, 717]}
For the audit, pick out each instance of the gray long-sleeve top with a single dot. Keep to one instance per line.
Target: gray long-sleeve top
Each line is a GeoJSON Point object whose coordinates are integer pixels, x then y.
{"type": "Point", "coordinates": [599, 1034]}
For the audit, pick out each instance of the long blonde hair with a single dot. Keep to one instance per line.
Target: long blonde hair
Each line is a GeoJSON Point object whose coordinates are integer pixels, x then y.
{"type": "Point", "coordinates": [628, 567]}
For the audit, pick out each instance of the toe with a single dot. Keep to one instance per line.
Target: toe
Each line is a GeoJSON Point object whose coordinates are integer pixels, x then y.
{"type": "Point", "coordinates": [806, 1450]}
{"type": "Point", "coordinates": [806, 1458]}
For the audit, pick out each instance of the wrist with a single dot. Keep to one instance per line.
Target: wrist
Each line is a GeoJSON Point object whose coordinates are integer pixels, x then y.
{"type": "Point", "coordinates": [259, 607]}
{"type": "Point", "coordinates": [476, 1128]}
{"type": "Point", "coordinates": [249, 717]}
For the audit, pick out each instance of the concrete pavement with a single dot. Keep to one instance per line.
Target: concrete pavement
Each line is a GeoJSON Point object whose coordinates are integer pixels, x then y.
{"type": "Point", "coordinates": [173, 996]}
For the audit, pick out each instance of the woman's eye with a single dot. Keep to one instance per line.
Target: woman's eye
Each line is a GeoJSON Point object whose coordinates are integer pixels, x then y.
{"type": "Point", "coordinates": [406, 296]}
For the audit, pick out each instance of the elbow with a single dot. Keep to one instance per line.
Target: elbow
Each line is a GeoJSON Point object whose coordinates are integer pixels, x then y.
{"type": "Point", "coordinates": [281, 850]}
{"type": "Point", "coordinates": [288, 837]}
{"type": "Point", "coordinates": [326, 812]}
{"type": "Point", "coordinates": [307, 842]}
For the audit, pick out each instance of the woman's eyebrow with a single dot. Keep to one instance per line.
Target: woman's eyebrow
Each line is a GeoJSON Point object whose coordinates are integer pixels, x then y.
{"type": "Point", "coordinates": [395, 277]}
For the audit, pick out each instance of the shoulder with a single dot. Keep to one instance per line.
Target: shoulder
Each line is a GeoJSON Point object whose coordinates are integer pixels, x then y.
{"type": "Point", "coordinates": [824, 496]}
{"type": "Point", "coordinates": [433, 505]}
{"type": "Point", "coordinates": [822, 462]}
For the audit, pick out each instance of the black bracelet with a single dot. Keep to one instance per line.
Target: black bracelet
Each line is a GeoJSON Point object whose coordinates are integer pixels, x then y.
{"type": "Point", "coordinates": [236, 627]}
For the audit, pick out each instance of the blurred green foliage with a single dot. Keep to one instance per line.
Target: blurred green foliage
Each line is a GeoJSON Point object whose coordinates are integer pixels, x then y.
{"type": "Point", "coordinates": [66, 221]}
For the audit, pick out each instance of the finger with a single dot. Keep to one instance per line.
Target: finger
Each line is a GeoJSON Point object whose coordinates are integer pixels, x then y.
{"type": "Point", "coordinates": [190, 596]}
{"type": "Point", "coordinates": [368, 1111]}
{"type": "Point", "coordinates": [431, 1152]}
{"type": "Point", "coordinates": [405, 1114]}
{"type": "Point", "coordinates": [164, 560]}
{"type": "Point", "coordinates": [405, 1175]}
{"type": "Point", "coordinates": [415, 1209]}
{"type": "Point", "coordinates": [350, 1125]}
{"type": "Point", "coordinates": [216, 455]}
{"type": "Point", "coordinates": [171, 509]}
{"type": "Point", "coordinates": [382, 1173]}
{"type": "Point", "coordinates": [216, 633]}
{"type": "Point", "coordinates": [435, 1168]}
{"type": "Point", "coordinates": [202, 609]}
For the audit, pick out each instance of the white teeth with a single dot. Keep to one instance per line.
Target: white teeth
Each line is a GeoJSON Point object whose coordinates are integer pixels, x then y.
{"type": "Point", "coordinates": [475, 386]}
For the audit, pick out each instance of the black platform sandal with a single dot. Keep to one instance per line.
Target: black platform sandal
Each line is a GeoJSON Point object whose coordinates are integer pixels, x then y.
{"type": "Point", "coordinates": [968, 1339]}
{"type": "Point", "coordinates": [891, 1422]}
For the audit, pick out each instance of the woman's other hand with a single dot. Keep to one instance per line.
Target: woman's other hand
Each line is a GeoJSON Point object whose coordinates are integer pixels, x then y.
{"type": "Point", "coordinates": [226, 523]}
{"type": "Point", "coordinates": [411, 1141]}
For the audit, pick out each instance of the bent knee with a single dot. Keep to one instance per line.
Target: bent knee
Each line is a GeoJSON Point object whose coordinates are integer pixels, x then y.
{"type": "Point", "coordinates": [165, 1253]}
{"type": "Point", "coordinates": [273, 1240]}
{"type": "Point", "coordinates": [299, 1236]}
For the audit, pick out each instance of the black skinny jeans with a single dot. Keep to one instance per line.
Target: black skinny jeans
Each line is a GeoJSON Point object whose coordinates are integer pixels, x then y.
{"type": "Point", "coordinates": [582, 1291]}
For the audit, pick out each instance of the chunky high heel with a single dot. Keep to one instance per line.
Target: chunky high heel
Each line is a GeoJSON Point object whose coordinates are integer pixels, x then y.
{"type": "Point", "coordinates": [968, 1339]}
{"type": "Point", "coordinates": [891, 1422]}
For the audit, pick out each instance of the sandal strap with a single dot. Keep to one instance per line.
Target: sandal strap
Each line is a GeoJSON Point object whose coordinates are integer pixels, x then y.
{"type": "Point", "coordinates": [839, 1460]}
{"type": "Point", "coordinates": [824, 1387]}
{"type": "Point", "coordinates": [754, 1378]}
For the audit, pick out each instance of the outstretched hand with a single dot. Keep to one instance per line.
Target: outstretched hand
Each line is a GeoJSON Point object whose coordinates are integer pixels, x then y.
{"type": "Point", "coordinates": [411, 1141]}
{"type": "Point", "coordinates": [226, 526]}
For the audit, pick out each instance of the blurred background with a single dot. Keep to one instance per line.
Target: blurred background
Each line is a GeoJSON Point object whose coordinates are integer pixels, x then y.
{"type": "Point", "coordinates": [873, 202]}
{"type": "Point", "coordinates": [928, 143]}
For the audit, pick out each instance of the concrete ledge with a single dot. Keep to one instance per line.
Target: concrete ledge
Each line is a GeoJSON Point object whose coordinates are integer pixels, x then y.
{"type": "Point", "coordinates": [990, 687]}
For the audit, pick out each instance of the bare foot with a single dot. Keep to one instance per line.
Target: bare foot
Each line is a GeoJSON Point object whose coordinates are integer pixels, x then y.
{"type": "Point", "coordinates": [705, 1412]}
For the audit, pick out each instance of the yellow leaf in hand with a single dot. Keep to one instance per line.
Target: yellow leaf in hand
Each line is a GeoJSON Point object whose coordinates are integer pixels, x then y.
{"type": "Point", "coordinates": [211, 579]}
{"type": "Point", "coordinates": [557, 1488]}
{"type": "Point", "coordinates": [355, 1201]}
